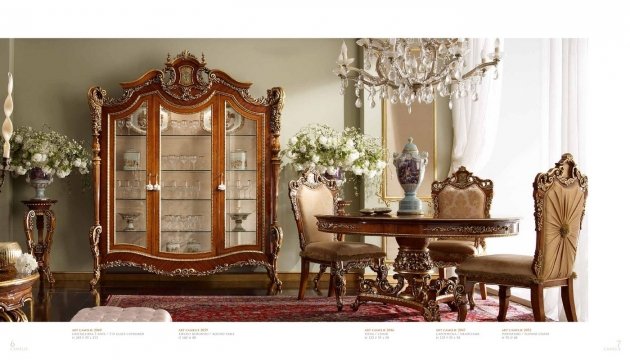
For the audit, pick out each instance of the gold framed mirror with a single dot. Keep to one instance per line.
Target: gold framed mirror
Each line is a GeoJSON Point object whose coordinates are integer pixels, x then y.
{"type": "Point", "coordinates": [397, 126]}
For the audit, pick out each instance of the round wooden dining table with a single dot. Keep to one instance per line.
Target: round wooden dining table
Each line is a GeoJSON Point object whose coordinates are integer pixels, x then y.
{"type": "Point", "coordinates": [15, 290]}
{"type": "Point", "coordinates": [413, 266]}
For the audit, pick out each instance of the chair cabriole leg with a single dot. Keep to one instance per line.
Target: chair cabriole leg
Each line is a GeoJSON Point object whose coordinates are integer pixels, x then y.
{"type": "Point", "coordinates": [338, 272]}
{"type": "Point", "coordinates": [483, 291]}
{"type": "Point", "coordinates": [504, 301]}
{"type": "Point", "coordinates": [538, 303]}
{"type": "Point", "coordinates": [303, 278]}
{"type": "Point", "coordinates": [462, 306]}
{"type": "Point", "coordinates": [568, 301]}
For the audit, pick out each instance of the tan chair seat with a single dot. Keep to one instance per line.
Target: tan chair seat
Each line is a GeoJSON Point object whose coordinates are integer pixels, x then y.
{"type": "Point", "coordinates": [341, 251]}
{"type": "Point", "coordinates": [499, 268]}
{"type": "Point", "coordinates": [453, 251]}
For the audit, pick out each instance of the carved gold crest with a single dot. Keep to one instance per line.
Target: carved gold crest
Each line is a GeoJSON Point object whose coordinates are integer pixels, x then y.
{"type": "Point", "coordinates": [185, 75]}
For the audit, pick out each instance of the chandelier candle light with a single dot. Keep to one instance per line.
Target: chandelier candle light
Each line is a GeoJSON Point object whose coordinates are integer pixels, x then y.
{"type": "Point", "coordinates": [406, 70]}
{"type": "Point", "coordinates": [7, 130]}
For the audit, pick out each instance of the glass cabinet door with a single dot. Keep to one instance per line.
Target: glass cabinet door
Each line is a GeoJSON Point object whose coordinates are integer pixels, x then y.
{"type": "Point", "coordinates": [130, 204]}
{"type": "Point", "coordinates": [241, 179]}
{"type": "Point", "coordinates": [186, 182]}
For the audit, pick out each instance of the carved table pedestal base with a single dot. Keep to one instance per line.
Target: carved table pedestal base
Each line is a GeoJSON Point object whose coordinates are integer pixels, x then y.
{"type": "Point", "coordinates": [414, 287]}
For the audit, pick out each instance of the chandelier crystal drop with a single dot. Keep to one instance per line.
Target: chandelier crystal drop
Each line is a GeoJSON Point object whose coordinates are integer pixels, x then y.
{"type": "Point", "coordinates": [408, 70]}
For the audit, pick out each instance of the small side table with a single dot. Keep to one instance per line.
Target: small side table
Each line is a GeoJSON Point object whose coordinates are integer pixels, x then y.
{"type": "Point", "coordinates": [41, 217]}
{"type": "Point", "coordinates": [15, 290]}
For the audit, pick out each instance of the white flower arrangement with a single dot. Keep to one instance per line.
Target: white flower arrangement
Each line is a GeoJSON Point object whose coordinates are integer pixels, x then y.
{"type": "Point", "coordinates": [25, 264]}
{"type": "Point", "coordinates": [322, 148]}
{"type": "Point", "coordinates": [54, 153]}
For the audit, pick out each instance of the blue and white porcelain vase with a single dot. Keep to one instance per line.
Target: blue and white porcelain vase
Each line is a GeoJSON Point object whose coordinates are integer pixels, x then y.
{"type": "Point", "coordinates": [410, 165]}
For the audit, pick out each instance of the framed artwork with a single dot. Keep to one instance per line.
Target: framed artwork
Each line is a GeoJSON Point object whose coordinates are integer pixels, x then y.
{"type": "Point", "coordinates": [397, 126]}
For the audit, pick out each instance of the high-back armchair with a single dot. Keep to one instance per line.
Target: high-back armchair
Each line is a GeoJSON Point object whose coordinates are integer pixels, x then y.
{"type": "Point", "coordinates": [460, 196]}
{"type": "Point", "coordinates": [559, 206]}
{"type": "Point", "coordinates": [311, 195]}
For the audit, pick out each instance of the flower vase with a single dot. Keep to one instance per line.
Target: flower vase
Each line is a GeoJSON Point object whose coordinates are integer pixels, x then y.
{"type": "Point", "coordinates": [410, 165]}
{"type": "Point", "coordinates": [339, 176]}
{"type": "Point", "coordinates": [39, 180]}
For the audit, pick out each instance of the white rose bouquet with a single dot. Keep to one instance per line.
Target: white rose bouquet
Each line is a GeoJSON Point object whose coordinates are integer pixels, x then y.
{"type": "Point", "coordinates": [329, 151]}
{"type": "Point", "coordinates": [55, 154]}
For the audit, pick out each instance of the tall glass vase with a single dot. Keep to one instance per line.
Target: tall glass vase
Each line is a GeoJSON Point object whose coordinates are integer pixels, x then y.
{"type": "Point", "coordinates": [40, 181]}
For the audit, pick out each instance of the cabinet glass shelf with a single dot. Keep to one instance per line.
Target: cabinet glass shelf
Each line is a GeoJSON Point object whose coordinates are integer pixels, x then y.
{"type": "Point", "coordinates": [189, 170]}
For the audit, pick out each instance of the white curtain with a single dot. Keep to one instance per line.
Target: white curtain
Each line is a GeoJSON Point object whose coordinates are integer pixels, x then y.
{"type": "Point", "coordinates": [542, 115]}
{"type": "Point", "coordinates": [564, 64]}
{"type": "Point", "coordinates": [475, 122]}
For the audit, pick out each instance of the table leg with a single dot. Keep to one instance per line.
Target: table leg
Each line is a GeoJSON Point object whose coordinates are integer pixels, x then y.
{"type": "Point", "coordinates": [413, 267]}
{"type": "Point", "coordinates": [15, 315]}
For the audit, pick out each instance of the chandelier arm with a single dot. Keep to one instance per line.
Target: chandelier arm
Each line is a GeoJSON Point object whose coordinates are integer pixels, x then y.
{"type": "Point", "coordinates": [494, 62]}
{"type": "Point", "coordinates": [367, 78]}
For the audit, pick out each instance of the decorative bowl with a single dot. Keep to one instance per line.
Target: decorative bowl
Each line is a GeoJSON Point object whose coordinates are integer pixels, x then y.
{"type": "Point", "coordinates": [129, 220]}
{"type": "Point", "coordinates": [9, 252]}
{"type": "Point", "coordinates": [382, 210]}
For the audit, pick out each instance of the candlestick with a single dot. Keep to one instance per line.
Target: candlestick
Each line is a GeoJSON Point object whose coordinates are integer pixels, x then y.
{"type": "Point", "coordinates": [7, 126]}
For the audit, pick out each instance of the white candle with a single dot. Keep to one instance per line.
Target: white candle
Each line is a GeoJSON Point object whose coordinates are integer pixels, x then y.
{"type": "Point", "coordinates": [7, 126]}
{"type": "Point", "coordinates": [497, 47]}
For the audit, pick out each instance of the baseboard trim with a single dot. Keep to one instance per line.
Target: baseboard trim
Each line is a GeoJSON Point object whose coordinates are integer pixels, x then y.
{"type": "Point", "coordinates": [285, 277]}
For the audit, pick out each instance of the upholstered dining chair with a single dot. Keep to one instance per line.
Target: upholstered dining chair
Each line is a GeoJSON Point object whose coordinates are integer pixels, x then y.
{"type": "Point", "coordinates": [460, 196]}
{"type": "Point", "coordinates": [559, 206]}
{"type": "Point", "coordinates": [310, 195]}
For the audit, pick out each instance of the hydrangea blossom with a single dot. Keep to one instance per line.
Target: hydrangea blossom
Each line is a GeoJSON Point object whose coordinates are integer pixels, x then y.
{"type": "Point", "coordinates": [25, 263]}
{"type": "Point", "coordinates": [54, 153]}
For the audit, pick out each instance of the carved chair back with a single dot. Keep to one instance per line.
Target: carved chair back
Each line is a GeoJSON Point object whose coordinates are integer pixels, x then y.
{"type": "Point", "coordinates": [560, 203]}
{"type": "Point", "coordinates": [312, 194]}
{"type": "Point", "coordinates": [462, 196]}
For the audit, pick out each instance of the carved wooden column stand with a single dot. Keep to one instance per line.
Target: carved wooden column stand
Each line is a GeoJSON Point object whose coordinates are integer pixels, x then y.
{"type": "Point", "coordinates": [40, 217]}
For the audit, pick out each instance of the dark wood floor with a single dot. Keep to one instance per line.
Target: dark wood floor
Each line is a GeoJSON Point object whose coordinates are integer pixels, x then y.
{"type": "Point", "coordinates": [66, 298]}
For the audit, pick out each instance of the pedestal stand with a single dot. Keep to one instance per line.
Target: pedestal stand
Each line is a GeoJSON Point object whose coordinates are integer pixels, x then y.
{"type": "Point", "coordinates": [39, 216]}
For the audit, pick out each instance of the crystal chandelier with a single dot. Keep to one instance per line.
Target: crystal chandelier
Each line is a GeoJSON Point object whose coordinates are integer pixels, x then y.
{"type": "Point", "coordinates": [406, 70]}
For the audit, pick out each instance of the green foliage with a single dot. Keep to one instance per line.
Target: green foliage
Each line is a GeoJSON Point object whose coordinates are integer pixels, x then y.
{"type": "Point", "coordinates": [54, 153]}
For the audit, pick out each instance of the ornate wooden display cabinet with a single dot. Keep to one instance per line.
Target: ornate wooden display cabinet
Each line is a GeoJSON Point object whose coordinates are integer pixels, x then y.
{"type": "Point", "coordinates": [186, 173]}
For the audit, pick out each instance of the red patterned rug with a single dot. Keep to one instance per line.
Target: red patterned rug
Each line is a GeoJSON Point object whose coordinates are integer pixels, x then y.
{"type": "Point", "coordinates": [289, 309]}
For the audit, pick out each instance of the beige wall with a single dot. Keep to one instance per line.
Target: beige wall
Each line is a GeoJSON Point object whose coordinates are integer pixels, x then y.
{"type": "Point", "coordinates": [53, 76]}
